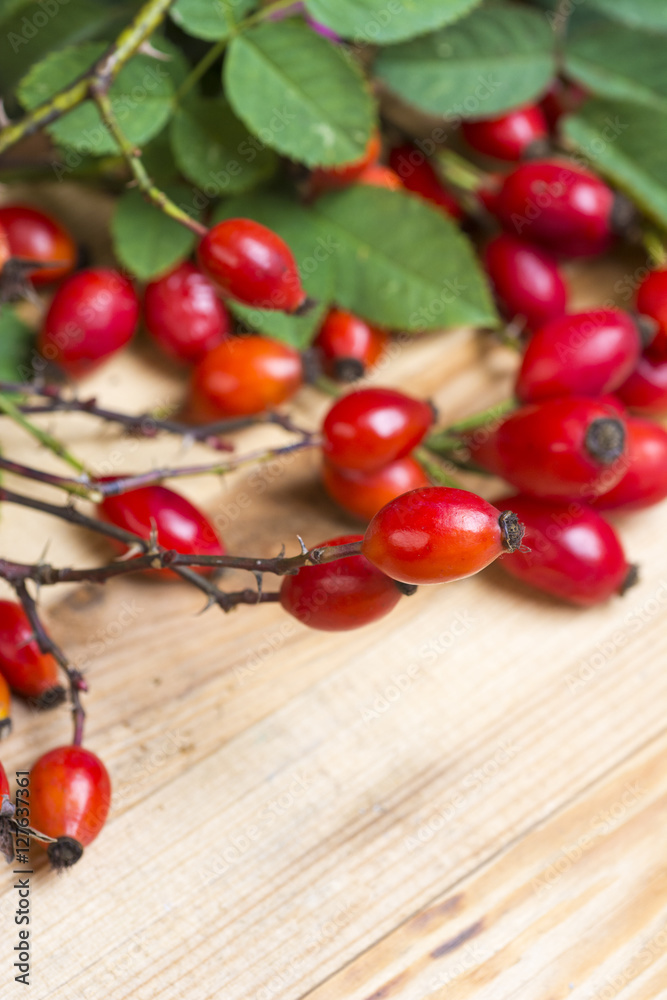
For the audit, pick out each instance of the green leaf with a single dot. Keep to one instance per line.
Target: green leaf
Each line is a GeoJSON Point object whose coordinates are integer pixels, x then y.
{"type": "Point", "coordinates": [210, 19]}
{"type": "Point", "coordinates": [385, 21]}
{"type": "Point", "coordinates": [401, 263]}
{"type": "Point", "coordinates": [16, 340]}
{"type": "Point", "coordinates": [614, 61]}
{"type": "Point", "coordinates": [648, 14]}
{"type": "Point", "coordinates": [299, 94]}
{"type": "Point", "coordinates": [141, 97]}
{"type": "Point", "coordinates": [312, 253]}
{"type": "Point", "coordinates": [496, 59]}
{"type": "Point", "coordinates": [626, 142]}
{"type": "Point", "coordinates": [214, 150]}
{"type": "Point", "coordinates": [147, 241]}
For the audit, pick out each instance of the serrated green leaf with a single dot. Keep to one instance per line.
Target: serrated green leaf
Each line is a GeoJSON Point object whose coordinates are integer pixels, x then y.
{"type": "Point", "coordinates": [214, 150]}
{"type": "Point", "coordinates": [147, 241]}
{"type": "Point", "coordinates": [626, 142]}
{"type": "Point", "coordinates": [648, 14]}
{"type": "Point", "coordinates": [16, 341]}
{"type": "Point", "coordinates": [299, 94]}
{"type": "Point", "coordinates": [492, 61]}
{"type": "Point", "coordinates": [381, 22]}
{"type": "Point", "coordinates": [613, 61]}
{"type": "Point", "coordinates": [141, 97]}
{"type": "Point", "coordinates": [401, 263]}
{"type": "Point", "coordinates": [312, 253]}
{"type": "Point", "coordinates": [209, 19]}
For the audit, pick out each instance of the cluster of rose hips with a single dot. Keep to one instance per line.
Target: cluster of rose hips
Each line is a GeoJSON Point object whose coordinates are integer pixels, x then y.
{"type": "Point", "coordinates": [578, 442]}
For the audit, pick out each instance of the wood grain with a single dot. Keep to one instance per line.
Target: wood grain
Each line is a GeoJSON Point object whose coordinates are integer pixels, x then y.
{"type": "Point", "coordinates": [465, 800]}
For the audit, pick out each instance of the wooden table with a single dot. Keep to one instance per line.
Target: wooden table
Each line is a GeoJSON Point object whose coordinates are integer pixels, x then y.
{"type": "Point", "coordinates": [467, 799]}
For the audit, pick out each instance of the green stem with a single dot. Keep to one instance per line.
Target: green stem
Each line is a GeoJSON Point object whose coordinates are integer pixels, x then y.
{"type": "Point", "coordinates": [144, 182]}
{"type": "Point", "coordinates": [202, 66]}
{"type": "Point", "coordinates": [435, 471]}
{"type": "Point", "coordinates": [102, 74]}
{"type": "Point", "coordinates": [448, 440]}
{"type": "Point", "coordinates": [459, 171]}
{"type": "Point", "coordinates": [655, 247]}
{"type": "Point", "coordinates": [44, 438]}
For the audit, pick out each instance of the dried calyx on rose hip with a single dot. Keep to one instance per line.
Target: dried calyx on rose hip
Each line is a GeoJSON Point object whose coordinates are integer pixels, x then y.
{"type": "Point", "coordinates": [349, 345]}
{"type": "Point", "coordinates": [28, 671]}
{"type": "Point", "coordinates": [371, 427]}
{"type": "Point", "coordinates": [184, 315]}
{"type": "Point", "coordinates": [582, 354]}
{"type": "Point", "coordinates": [362, 494]}
{"type": "Point", "coordinates": [569, 551]}
{"type": "Point", "coordinates": [93, 315]}
{"type": "Point", "coordinates": [252, 264]}
{"type": "Point", "coordinates": [562, 207]}
{"type": "Point", "coordinates": [244, 376]}
{"type": "Point", "coordinates": [178, 524]}
{"type": "Point", "coordinates": [339, 595]}
{"type": "Point", "coordinates": [565, 447]}
{"type": "Point", "coordinates": [644, 481]}
{"type": "Point", "coordinates": [526, 280]}
{"type": "Point", "coordinates": [437, 534]}
{"type": "Point", "coordinates": [70, 795]}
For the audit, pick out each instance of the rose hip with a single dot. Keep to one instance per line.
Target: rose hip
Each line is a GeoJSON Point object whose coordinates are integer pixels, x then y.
{"type": "Point", "coordinates": [331, 178]}
{"type": "Point", "coordinates": [652, 302]}
{"type": "Point", "coordinates": [418, 176]}
{"type": "Point", "coordinates": [93, 315]}
{"type": "Point", "coordinates": [349, 345]}
{"type": "Point", "coordinates": [583, 354]}
{"type": "Point", "coordinates": [510, 136]}
{"type": "Point", "coordinates": [644, 482]}
{"type": "Point", "coordinates": [5, 707]}
{"type": "Point", "coordinates": [371, 427]}
{"type": "Point", "coordinates": [184, 315]}
{"type": "Point", "coordinates": [28, 671]}
{"type": "Point", "coordinates": [560, 206]}
{"type": "Point", "coordinates": [362, 494]}
{"type": "Point", "coordinates": [645, 391]}
{"type": "Point", "coordinates": [339, 595]}
{"type": "Point", "coordinates": [35, 235]}
{"type": "Point", "coordinates": [243, 376]}
{"type": "Point", "coordinates": [436, 534]}
{"type": "Point", "coordinates": [70, 795]}
{"type": "Point", "coordinates": [569, 551]}
{"type": "Point", "coordinates": [565, 447]}
{"type": "Point", "coordinates": [526, 280]}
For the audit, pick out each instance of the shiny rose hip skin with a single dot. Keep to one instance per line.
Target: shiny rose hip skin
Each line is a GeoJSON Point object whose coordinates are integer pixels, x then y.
{"type": "Point", "coordinates": [35, 235]}
{"type": "Point", "coordinates": [93, 314]}
{"type": "Point", "coordinates": [371, 427]}
{"type": "Point", "coordinates": [349, 345]}
{"type": "Point", "coordinates": [582, 354]}
{"type": "Point", "coordinates": [28, 671]}
{"type": "Point", "coordinates": [437, 535]}
{"type": "Point", "coordinates": [569, 551]}
{"type": "Point", "coordinates": [510, 136]}
{"type": "Point", "coordinates": [70, 795]}
{"type": "Point", "coordinates": [252, 264]}
{"type": "Point", "coordinates": [565, 447]}
{"type": "Point", "coordinates": [362, 494]}
{"type": "Point", "coordinates": [526, 280]}
{"type": "Point", "coordinates": [244, 376]}
{"type": "Point", "coordinates": [645, 391]}
{"type": "Point", "coordinates": [184, 315]}
{"type": "Point", "coordinates": [340, 595]}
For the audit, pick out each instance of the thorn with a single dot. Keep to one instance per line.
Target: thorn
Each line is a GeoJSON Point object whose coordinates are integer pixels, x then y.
{"type": "Point", "coordinates": [211, 600]}
{"type": "Point", "coordinates": [134, 550]}
{"type": "Point", "coordinates": [147, 49]}
{"type": "Point", "coordinates": [4, 117]}
{"type": "Point", "coordinates": [304, 550]}
{"type": "Point", "coordinates": [260, 581]}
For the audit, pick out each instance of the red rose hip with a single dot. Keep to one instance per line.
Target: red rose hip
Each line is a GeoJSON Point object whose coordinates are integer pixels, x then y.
{"type": "Point", "coordinates": [349, 345]}
{"type": "Point", "coordinates": [70, 795]}
{"type": "Point", "coordinates": [652, 302]}
{"type": "Point", "coordinates": [418, 176]}
{"type": "Point", "coordinates": [526, 280]}
{"type": "Point", "coordinates": [28, 671]}
{"type": "Point", "coordinates": [243, 376]}
{"type": "Point", "coordinates": [362, 494]}
{"type": "Point", "coordinates": [331, 178]}
{"type": "Point", "coordinates": [569, 551]}
{"type": "Point", "coordinates": [5, 707]}
{"type": "Point", "coordinates": [184, 315]}
{"type": "Point", "coordinates": [35, 235]}
{"type": "Point", "coordinates": [564, 447]}
{"type": "Point", "coordinates": [252, 264]}
{"type": "Point", "coordinates": [560, 206]}
{"type": "Point", "coordinates": [644, 482]}
{"type": "Point", "coordinates": [339, 595]}
{"type": "Point", "coordinates": [92, 315]}
{"type": "Point", "coordinates": [510, 136]}
{"type": "Point", "coordinates": [645, 391]}
{"type": "Point", "coordinates": [437, 534]}
{"type": "Point", "coordinates": [371, 427]}
{"type": "Point", "coordinates": [586, 354]}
